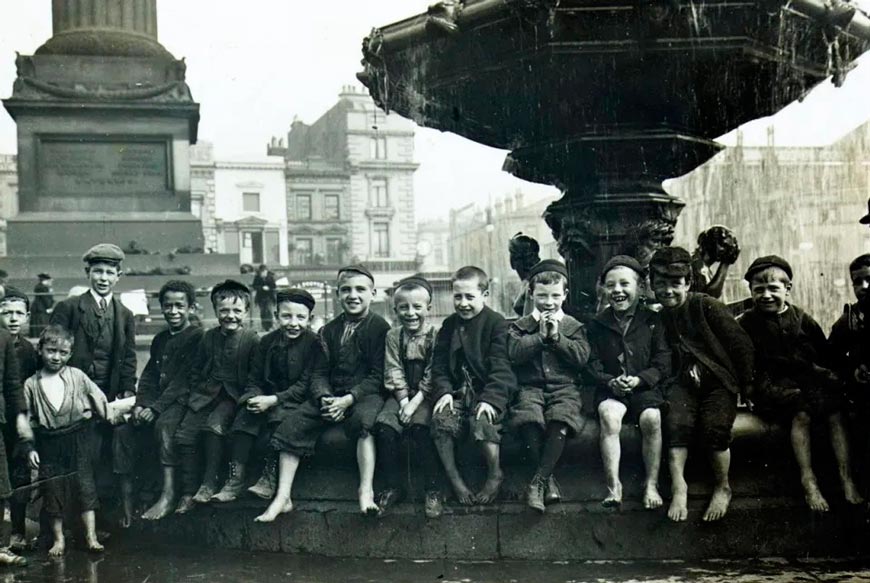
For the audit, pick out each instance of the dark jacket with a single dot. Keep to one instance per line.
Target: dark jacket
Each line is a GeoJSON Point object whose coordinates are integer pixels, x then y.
{"type": "Point", "coordinates": [28, 359]}
{"type": "Point", "coordinates": [12, 400]}
{"type": "Point", "coordinates": [357, 368]}
{"type": "Point", "coordinates": [481, 343]}
{"type": "Point", "coordinates": [642, 352]}
{"type": "Point", "coordinates": [264, 296]}
{"type": "Point", "coordinates": [283, 367]}
{"type": "Point", "coordinates": [547, 364]}
{"type": "Point", "coordinates": [166, 378]}
{"type": "Point", "coordinates": [849, 342]}
{"type": "Point", "coordinates": [704, 329]}
{"type": "Point", "coordinates": [203, 390]}
{"type": "Point", "coordinates": [76, 314]}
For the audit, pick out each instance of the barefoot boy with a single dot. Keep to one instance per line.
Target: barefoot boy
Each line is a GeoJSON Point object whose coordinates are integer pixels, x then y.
{"type": "Point", "coordinates": [630, 359]}
{"type": "Point", "coordinates": [795, 380]}
{"type": "Point", "coordinates": [280, 382]}
{"type": "Point", "coordinates": [547, 349]}
{"type": "Point", "coordinates": [714, 359]}
{"type": "Point", "coordinates": [63, 403]}
{"type": "Point", "coordinates": [408, 378]}
{"type": "Point", "coordinates": [217, 382]}
{"type": "Point", "coordinates": [472, 381]}
{"type": "Point", "coordinates": [346, 383]}
{"type": "Point", "coordinates": [163, 389]}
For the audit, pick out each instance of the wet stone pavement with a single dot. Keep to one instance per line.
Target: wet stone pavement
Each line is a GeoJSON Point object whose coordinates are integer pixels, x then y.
{"type": "Point", "coordinates": [148, 565]}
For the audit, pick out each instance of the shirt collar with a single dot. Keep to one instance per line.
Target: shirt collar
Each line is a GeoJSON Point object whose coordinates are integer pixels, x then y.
{"type": "Point", "coordinates": [97, 297]}
{"type": "Point", "coordinates": [558, 315]}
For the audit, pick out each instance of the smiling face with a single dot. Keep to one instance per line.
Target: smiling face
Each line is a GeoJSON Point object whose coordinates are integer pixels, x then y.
{"type": "Point", "coordinates": [293, 318]}
{"type": "Point", "coordinates": [103, 277]}
{"type": "Point", "coordinates": [468, 299]}
{"type": "Point", "coordinates": [670, 291]}
{"type": "Point", "coordinates": [14, 315]}
{"type": "Point", "coordinates": [412, 307]}
{"type": "Point", "coordinates": [55, 354]}
{"type": "Point", "coordinates": [861, 284]}
{"type": "Point", "coordinates": [622, 286]}
{"type": "Point", "coordinates": [355, 293]}
{"type": "Point", "coordinates": [231, 313]}
{"type": "Point", "coordinates": [176, 310]}
{"type": "Point", "coordinates": [770, 288]}
{"type": "Point", "coordinates": [549, 297]}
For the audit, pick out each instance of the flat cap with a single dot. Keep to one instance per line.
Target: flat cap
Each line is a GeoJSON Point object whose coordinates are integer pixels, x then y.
{"type": "Point", "coordinates": [230, 285]}
{"type": "Point", "coordinates": [622, 261]}
{"type": "Point", "coordinates": [416, 280]}
{"type": "Point", "coordinates": [296, 296]}
{"type": "Point", "coordinates": [767, 262]}
{"type": "Point", "coordinates": [357, 268]}
{"type": "Point", "coordinates": [12, 293]}
{"type": "Point", "coordinates": [44, 276]}
{"type": "Point", "coordinates": [671, 262]}
{"type": "Point", "coordinates": [553, 265]}
{"type": "Point", "coordinates": [104, 252]}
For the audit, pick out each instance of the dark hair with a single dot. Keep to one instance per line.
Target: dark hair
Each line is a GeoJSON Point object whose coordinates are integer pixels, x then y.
{"type": "Point", "coordinates": [547, 278]}
{"type": "Point", "coordinates": [176, 285]}
{"type": "Point", "coordinates": [55, 333]}
{"type": "Point", "coordinates": [687, 276]}
{"type": "Point", "coordinates": [12, 293]}
{"type": "Point", "coordinates": [231, 294]}
{"type": "Point", "coordinates": [410, 286]}
{"type": "Point", "coordinates": [262, 267]}
{"type": "Point", "coordinates": [860, 262]}
{"type": "Point", "coordinates": [471, 272]}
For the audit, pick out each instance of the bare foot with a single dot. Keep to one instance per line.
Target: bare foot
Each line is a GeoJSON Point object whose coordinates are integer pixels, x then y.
{"type": "Point", "coordinates": [275, 509]}
{"type": "Point", "coordinates": [490, 488]}
{"type": "Point", "coordinates": [718, 506]}
{"type": "Point", "coordinates": [679, 510]}
{"type": "Point", "coordinates": [463, 494]}
{"type": "Point", "coordinates": [614, 497]}
{"type": "Point", "coordinates": [851, 492]}
{"type": "Point", "coordinates": [57, 549]}
{"type": "Point", "coordinates": [367, 503]}
{"type": "Point", "coordinates": [161, 509]}
{"type": "Point", "coordinates": [651, 497]}
{"type": "Point", "coordinates": [185, 505]}
{"type": "Point", "coordinates": [814, 498]}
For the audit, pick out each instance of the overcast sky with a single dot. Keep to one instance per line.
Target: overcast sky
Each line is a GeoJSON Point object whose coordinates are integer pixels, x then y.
{"type": "Point", "coordinates": [253, 65]}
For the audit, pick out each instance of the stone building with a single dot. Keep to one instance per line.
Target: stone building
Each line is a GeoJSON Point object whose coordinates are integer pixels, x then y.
{"type": "Point", "coordinates": [8, 194]}
{"type": "Point", "coordinates": [800, 203]}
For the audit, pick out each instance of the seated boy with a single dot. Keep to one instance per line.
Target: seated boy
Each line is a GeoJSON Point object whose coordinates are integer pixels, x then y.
{"type": "Point", "coordinates": [217, 382]}
{"type": "Point", "coordinates": [408, 378]}
{"type": "Point", "coordinates": [795, 383]}
{"type": "Point", "coordinates": [472, 382]}
{"type": "Point", "coordinates": [630, 359]}
{"type": "Point", "coordinates": [547, 349]}
{"type": "Point", "coordinates": [14, 315]}
{"type": "Point", "coordinates": [346, 383]}
{"type": "Point", "coordinates": [714, 361]}
{"type": "Point", "coordinates": [280, 381]}
{"type": "Point", "coordinates": [161, 400]}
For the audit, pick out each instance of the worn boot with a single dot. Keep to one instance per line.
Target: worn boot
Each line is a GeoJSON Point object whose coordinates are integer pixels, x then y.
{"type": "Point", "coordinates": [234, 486]}
{"type": "Point", "coordinates": [554, 493]}
{"type": "Point", "coordinates": [535, 496]}
{"type": "Point", "coordinates": [265, 486]}
{"type": "Point", "coordinates": [433, 505]}
{"type": "Point", "coordinates": [207, 490]}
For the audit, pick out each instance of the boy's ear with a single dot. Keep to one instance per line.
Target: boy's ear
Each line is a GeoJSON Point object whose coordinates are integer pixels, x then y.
{"type": "Point", "coordinates": [485, 293]}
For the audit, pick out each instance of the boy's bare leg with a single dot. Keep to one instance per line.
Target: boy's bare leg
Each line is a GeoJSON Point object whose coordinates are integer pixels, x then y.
{"type": "Point", "coordinates": [365, 459]}
{"type": "Point", "coordinates": [800, 444]}
{"type": "Point", "coordinates": [59, 545]}
{"type": "Point", "coordinates": [166, 503]}
{"type": "Point", "coordinates": [840, 444]}
{"type": "Point", "coordinates": [445, 446]}
{"type": "Point", "coordinates": [718, 507]}
{"type": "Point", "coordinates": [494, 474]}
{"type": "Point", "coordinates": [610, 414]}
{"type": "Point", "coordinates": [287, 466]}
{"type": "Point", "coordinates": [651, 430]}
{"type": "Point", "coordinates": [679, 509]}
{"type": "Point", "coordinates": [127, 500]}
{"type": "Point", "coordinates": [89, 518]}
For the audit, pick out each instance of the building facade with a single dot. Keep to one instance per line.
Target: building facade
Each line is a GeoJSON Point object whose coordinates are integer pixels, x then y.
{"type": "Point", "coordinates": [8, 194]}
{"type": "Point", "coordinates": [433, 245]}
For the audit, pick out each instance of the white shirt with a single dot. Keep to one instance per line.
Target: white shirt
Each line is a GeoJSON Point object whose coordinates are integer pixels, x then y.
{"type": "Point", "coordinates": [97, 297]}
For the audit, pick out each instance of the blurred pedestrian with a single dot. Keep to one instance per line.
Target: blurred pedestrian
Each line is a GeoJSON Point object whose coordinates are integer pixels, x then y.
{"type": "Point", "coordinates": [42, 304]}
{"type": "Point", "coordinates": [264, 290]}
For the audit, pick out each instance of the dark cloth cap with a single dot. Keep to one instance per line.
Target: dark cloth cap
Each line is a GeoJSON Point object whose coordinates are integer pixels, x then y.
{"type": "Point", "coordinates": [766, 262]}
{"type": "Point", "coordinates": [865, 220]}
{"type": "Point", "coordinates": [229, 285]}
{"type": "Point", "coordinates": [44, 276]}
{"type": "Point", "coordinates": [418, 280]}
{"type": "Point", "coordinates": [16, 294]}
{"type": "Point", "coordinates": [104, 252]}
{"type": "Point", "coordinates": [671, 262]}
{"type": "Point", "coordinates": [357, 268]}
{"type": "Point", "coordinates": [622, 261]}
{"type": "Point", "coordinates": [548, 265]}
{"type": "Point", "coordinates": [297, 296]}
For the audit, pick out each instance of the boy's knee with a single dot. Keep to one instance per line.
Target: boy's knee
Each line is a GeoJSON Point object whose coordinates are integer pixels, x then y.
{"type": "Point", "coordinates": [610, 417]}
{"type": "Point", "coordinates": [802, 419]}
{"type": "Point", "coordinates": [717, 438]}
{"type": "Point", "coordinates": [650, 421]}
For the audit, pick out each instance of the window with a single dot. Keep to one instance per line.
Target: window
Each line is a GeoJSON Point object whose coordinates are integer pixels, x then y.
{"type": "Point", "coordinates": [303, 207]}
{"type": "Point", "coordinates": [251, 202]}
{"type": "Point", "coordinates": [304, 251]}
{"type": "Point", "coordinates": [331, 210]}
{"type": "Point", "coordinates": [333, 251]}
{"type": "Point", "coordinates": [381, 239]}
{"type": "Point", "coordinates": [378, 193]}
{"type": "Point", "coordinates": [378, 147]}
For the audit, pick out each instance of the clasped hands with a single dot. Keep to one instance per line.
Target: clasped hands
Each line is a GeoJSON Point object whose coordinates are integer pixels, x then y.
{"type": "Point", "coordinates": [549, 326]}
{"type": "Point", "coordinates": [335, 408]}
{"type": "Point", "coordinates": [623, 384]}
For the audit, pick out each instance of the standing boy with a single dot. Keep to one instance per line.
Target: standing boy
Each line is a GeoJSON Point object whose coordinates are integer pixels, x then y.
{"type": "Point", "coordinates": [163, 388]}
{"type": "Point", "coordinates": [347, 382]}
{"type": "Point", "coordinates": [472, 382]}
{"type": "Point", "coordinates": [548, 349]}
{"type": "Point", "coordinates": [105, 349]}
{"type": "Point", "coordinates": [630, 360]}
{"type": "Point", "coordinates": [408, 378]}
{"type": "Point", "coordinates": [714, 362]}
{"type": "Point", "coordinates": [795, 381]}
{"type": "Point", "coordinates": [217, 382]}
